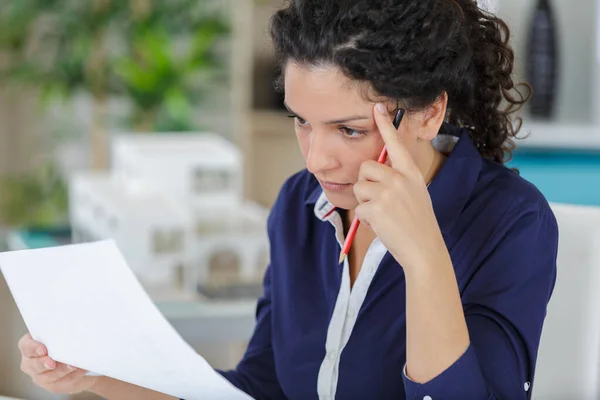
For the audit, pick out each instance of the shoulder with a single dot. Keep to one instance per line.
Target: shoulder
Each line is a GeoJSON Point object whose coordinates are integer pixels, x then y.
{"type": "Point", "coordinates": [298, 186]}
{"type": "Point", "coordinates": [508, 186]}
{"type": "Point", "coordinates": [516, 203]}
{"type": "Point", "coordinates": [512, 239]}
{"type": "Point", "coordinates": [293, 196]}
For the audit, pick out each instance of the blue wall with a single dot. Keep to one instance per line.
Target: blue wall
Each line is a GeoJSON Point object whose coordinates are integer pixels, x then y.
{"type": "Point", "coordinates": [563, 176]}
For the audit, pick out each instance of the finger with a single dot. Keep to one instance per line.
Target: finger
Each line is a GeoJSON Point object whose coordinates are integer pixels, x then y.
{"type": "Point", "coordinates": [35, 366]}
{"type": "Point", "coordinates": [30, 348]}
{"type": "Point", "coordinates": [55, 375]}
{"type": "Point", "coordinates": [40, 365]}
{"type": "Point", "coordinates": [375, 172]}
{"type": "Point", "coordinates": [363, 212]}
{"type": "Point", "coordinates": [366, 191]}
{"type": "Point", "coordinates": [69, 383]}
{"type": "Point", "coordinates": [397, 152]}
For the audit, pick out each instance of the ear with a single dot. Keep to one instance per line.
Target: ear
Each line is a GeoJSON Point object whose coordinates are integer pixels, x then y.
{"type": "Point", "coordinates": [433, 118]}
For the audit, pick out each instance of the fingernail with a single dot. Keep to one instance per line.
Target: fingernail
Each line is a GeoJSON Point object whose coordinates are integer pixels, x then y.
{"type": "Point", "coordinates": [381, 108]}
{"type": "Point", "coordinates": [40, 351]}
{"type": "Point", "coordinates": [47, 365]}
{"type": "Point", "coordinates": [71, 368]}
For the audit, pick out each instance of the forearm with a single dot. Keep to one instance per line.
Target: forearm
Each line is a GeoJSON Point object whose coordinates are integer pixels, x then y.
{"type": "Point", "coordinates": [436, 333]}
{"type": "Point", "coordinates": [113, 389]}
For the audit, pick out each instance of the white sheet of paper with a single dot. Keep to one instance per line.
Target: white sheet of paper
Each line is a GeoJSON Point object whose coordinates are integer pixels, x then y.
{"type": "Point", "coordinates": [86, 305]}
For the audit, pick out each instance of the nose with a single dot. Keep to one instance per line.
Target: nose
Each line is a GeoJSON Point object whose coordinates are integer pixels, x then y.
{"type": "Point", "coordinates": [321, 152]}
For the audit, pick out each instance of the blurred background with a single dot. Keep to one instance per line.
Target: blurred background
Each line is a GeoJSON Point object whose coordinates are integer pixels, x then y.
{"type": "Point", "coordinates": [155, 123]}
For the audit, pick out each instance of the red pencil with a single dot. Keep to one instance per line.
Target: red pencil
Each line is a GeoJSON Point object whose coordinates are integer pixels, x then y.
{"type": "Point", "coordinates": [356, 221]}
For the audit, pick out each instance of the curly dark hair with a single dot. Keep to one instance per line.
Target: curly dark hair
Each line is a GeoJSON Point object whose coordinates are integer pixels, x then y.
{"type": "Point", "coordinates": [414, 51]}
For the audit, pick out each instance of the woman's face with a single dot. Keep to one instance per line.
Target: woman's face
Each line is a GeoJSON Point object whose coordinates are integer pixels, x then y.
{"type": "Point", "coordinates": [335, 128]}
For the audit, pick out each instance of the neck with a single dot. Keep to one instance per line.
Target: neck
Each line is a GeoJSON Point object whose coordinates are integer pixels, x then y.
{"type": "Point", "coordinates": [429, 162]}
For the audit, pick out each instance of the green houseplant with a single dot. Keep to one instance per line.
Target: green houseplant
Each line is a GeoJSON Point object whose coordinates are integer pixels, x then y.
{"type": "Point", "coordinates": [155, 54]}
{"type": "Point", "coordinates": [37, 199]}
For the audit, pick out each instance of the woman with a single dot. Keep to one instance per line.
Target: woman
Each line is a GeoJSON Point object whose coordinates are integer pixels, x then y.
{"type": "Point", "coordinates": [444, 292]}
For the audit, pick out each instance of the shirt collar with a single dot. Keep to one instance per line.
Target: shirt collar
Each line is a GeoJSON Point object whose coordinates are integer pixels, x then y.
{"type": "Point", "coordinates": [323, 208]}
{"type": "Point", "coordinates": [455, 181]}
{"type": "Point", "coordinates": [449, 190]}
{"type": "Point", "coordinates": [314, 195]}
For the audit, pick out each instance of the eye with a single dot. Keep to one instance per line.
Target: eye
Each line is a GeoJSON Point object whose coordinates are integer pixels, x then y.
{"type": "Point", "coordinates": [299, 120]}
{"type": "Point", "coordinates": [352, 133]}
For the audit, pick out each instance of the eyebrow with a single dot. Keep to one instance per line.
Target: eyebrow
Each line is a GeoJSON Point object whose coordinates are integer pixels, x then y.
{"type": "Point", "coordinates": [335, 121]}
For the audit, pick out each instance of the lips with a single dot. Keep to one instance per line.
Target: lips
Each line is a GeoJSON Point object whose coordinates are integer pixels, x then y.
{"type": "Point", "coordinates": [334, 186]}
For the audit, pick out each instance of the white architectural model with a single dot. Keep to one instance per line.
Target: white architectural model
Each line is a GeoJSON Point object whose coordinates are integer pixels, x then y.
{"type": "Point", "coordinates": [200, 170]}
{"type": "Point", "coordinates": [173, 203]}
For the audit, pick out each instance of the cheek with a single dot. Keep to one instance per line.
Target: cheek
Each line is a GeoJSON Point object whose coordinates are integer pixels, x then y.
{"type": "Point", "coordinates": [369, 150]}
{"type": "Point", "coordinates": [353, 168]}
{"type": "Point", "coordinates": [410, 133]}
{"type": "Point", "coordinates": [303, 143]}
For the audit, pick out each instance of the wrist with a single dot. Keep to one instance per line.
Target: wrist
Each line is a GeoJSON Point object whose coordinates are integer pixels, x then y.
{"type": "Point", "coordinates": [430, 253]}
{"type": "Point", "coordinates": [96, 384]}
{"type": "Point", "coordinates": [430, 257]}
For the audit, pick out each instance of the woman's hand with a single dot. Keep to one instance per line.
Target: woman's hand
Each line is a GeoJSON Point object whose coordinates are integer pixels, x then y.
{"type": "Point", "coordinates": [51, 375]}
{"type": "Point", "coordinates": [395, 202]}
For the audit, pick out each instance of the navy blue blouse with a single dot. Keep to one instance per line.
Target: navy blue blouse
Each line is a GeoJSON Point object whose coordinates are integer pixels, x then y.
{"type": "Point", "coordinates": [317, 339]}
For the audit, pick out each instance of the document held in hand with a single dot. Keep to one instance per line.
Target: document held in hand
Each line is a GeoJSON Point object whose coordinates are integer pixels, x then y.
{"type": "Point", "coordinates": [85, 304]}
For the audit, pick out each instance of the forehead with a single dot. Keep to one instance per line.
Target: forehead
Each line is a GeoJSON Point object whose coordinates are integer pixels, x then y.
{"type": "Point", "coordinates": [322, 91]}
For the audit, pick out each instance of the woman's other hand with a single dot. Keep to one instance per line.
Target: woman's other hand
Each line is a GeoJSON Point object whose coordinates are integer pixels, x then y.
{"type": "Point", "coordinates": [53, 376]}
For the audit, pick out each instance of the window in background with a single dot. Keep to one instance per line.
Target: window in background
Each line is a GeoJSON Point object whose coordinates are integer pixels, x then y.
{"type": "Point", "coordinates": [207, 180]}
{"type": "Point", "coordinates": [167, 242]}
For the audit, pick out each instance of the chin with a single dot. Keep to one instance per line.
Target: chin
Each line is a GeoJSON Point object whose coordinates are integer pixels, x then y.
{"type": "Point", "coordinates": [341, 201]}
